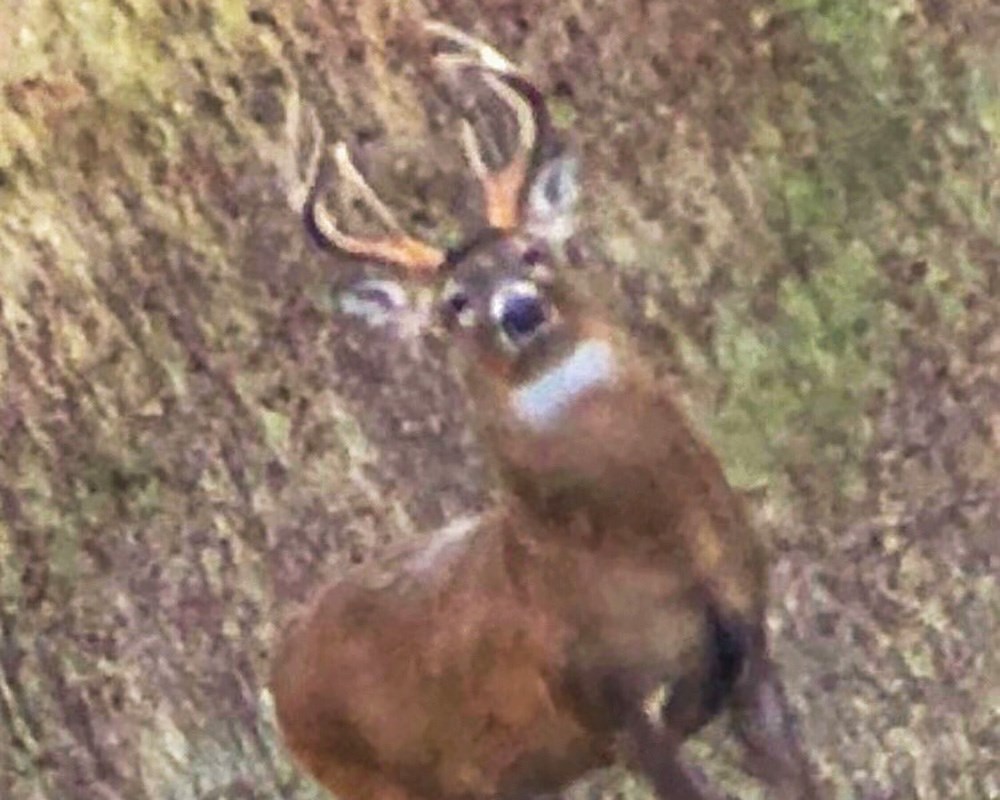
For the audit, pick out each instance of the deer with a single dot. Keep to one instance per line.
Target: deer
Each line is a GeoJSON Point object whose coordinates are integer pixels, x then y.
{"type": "Point", "coordinates": [611, 603]}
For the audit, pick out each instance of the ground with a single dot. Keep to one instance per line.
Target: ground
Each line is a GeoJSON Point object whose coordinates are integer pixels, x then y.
{"type": "Point", "coordinates": [796, 202]}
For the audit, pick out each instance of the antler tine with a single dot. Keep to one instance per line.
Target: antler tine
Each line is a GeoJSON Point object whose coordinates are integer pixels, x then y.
{"type": "Point", "coordinates": [485, 55]}
{"type": "Point", "coordinates": [284, 153]}
{"type": "Point", "coordinates": [397, 249]}
{"type": "Point", "coordinates": [502, 187]}
{"type": "Point", "coordinates": [302, 185]}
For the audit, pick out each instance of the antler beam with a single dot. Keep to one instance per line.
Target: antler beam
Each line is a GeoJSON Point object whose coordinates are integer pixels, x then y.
{"type": "Point", "coordinates": [398, 248]}
{"type": "Point", "coordinates": [503, 187]}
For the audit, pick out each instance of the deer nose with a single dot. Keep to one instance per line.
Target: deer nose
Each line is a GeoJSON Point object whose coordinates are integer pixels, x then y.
{"type": "Point", "coordinates": [522, 314]}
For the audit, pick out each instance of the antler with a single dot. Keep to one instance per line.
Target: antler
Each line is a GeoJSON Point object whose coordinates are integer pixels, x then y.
{"type": "Point", "coordinates": [398, 248]}
{"type": "Point", "coordinates": [503, 187]}
{"type": "Point", "coordinates": [302, 185]}
{"type": "Point", "coordinates": [284, 154]}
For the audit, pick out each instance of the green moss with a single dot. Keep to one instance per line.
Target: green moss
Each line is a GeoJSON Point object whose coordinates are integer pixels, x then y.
{"type": "Point", "coordinates": [800, 383]}
{"type": "Point", "coordinates": [985, 96]}
{"type": "Point", "coordinates": [564, 114]}
{"type": "Point", "coordinates": [9, 572]}
{"type": "Point", "coordinates": [276, 428]}
{"type": "Point", "coordinates": [856, 140]}
{"type": "Point", "coordinates": [851, 25]}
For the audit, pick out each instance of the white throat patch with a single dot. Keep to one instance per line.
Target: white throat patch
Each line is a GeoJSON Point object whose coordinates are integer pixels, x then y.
{"type": "Point", "coordinates": [541, 402]}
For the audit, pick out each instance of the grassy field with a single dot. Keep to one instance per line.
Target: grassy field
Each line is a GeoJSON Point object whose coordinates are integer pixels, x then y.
{"type": "Point", "coordinates": [796, 203]}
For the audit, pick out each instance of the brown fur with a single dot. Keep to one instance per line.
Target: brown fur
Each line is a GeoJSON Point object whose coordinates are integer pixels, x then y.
{"type": "Point", "coordinates": [454, 678]}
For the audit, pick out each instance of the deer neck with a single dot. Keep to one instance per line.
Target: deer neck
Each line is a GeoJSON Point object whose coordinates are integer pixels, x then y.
{"type": "Point", "coordinates": [542, 401]}
{"type": "Point", "coordinates": [583, 432]}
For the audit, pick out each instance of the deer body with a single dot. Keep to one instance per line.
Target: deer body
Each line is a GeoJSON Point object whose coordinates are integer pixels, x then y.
{"type": "Point", "coordinates": [464, 675]}
{"type": "Point", "coordinates": [508, 657]}
{"type": "Point", "coordinates": [427, 709]}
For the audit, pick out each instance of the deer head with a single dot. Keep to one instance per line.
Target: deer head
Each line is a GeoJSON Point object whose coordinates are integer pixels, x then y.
{"type": "Point", "coordinates": [531, 341]}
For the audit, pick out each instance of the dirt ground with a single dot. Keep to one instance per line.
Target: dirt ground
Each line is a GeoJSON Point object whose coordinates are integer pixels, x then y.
{"type": "Point", "coordinates": [795, 201]}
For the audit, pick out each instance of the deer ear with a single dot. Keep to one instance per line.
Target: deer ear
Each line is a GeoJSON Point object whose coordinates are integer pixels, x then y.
{"type": "Point", "coordinates": [551, 201]}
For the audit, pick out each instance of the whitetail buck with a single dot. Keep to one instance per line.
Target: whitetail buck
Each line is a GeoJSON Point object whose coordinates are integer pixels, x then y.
{"type": "Point", "coordinates": [509, 656]}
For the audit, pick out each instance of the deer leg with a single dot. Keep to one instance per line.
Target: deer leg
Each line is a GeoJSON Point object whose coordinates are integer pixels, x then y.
{"type": "Point", "coordinates": [657, 754]}
{"type": "Point", "coordinates": [695, 700]}
{"type": "Point", "coordinates": [652, 742]}
{"type": "Point", "coordinates": [738, 671]}
{"type": "Point", "coordinates": [698, 697]}
{"type": "Point", "coordinates": [765, 726]}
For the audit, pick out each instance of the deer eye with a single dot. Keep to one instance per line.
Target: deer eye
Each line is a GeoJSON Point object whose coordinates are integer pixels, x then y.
{"type": "Point", "coordinates": [519, 311]}
{"type": "Point", "coordinates": [537, 259]}
{"type": "Point", "coordinates": [457, 305]}
{"type": "Point", "coordinates": [533, 256]}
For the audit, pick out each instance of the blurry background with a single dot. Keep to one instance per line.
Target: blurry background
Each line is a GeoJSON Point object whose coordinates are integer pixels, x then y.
{"type": "Point", "coordinates": [799, 199]}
